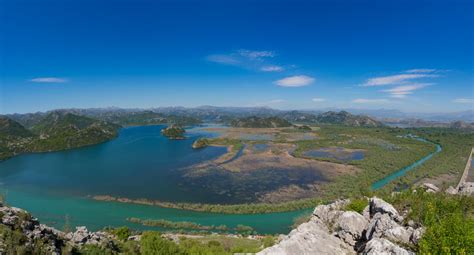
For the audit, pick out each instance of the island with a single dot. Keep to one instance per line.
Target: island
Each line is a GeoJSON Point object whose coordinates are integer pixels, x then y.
{"type": "Point", "coordinates": [174, 132]}
{"type": "Point", "coordinates": [200, 143]}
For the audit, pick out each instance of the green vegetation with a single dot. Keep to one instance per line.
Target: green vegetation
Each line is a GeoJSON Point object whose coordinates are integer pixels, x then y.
{"type": "Point", "coordinates": [174, 132]}
{"type": "Point", "coordinates": [357, 205]}
{"type": "Point", "coordinates": [449, 220]}
{"type": "Point", "coordinates": [185, 225]}
{"type": "Point", "coordinates": [257, 122]}
{"type": "Point", "coordinates": [176, 225]}
{"type": "Point", "coordinates": [200, 143]}
{"type": "Point", "coordinates": [154, 243]}
{"type": "Point", "coordinates": [122, 233]}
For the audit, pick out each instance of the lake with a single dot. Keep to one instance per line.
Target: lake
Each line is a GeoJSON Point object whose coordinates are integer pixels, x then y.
{"type": "Point", "coordinates": [140, 163]}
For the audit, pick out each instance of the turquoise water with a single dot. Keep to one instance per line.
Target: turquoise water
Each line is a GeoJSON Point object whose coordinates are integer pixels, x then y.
{"type": "Point", "coordinates": [52, 210]}
{"type": "Point", "coordinates": [379, 184]}
{"type": "Point", "coordinates": [140, 163]}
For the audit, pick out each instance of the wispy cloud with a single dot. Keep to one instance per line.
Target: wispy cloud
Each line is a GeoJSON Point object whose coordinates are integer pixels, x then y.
{"type": "Point", "coordinates": [318, 99]}
{"type": "Point", "coordinates": [396, 79]}
{"type": "Point", "coordinates": [223, 59]}
{"type": "Point", "coordinates": [403, 91]}
{"type": "Point", "coordinates": [252, 59]}
{"type": "Point", "coordinates": [271, 68]}
{"type": "Point", "coordinates": [370, 101]}
{"type": "Point", "coordinates": [255, 54]}
{"type": "Point", "coordinates": [404, 83]}
{"type": "Point", "coordinates": [48, 80]}
{"type": "Point", "coordinates": [421, 70]}
{"type": "Point", "coordinates": [464, 100]}
{"type": "Point", "coordinates": [295, 81]}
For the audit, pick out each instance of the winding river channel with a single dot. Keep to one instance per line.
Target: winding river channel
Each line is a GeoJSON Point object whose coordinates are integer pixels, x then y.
{"type": "Point", "coordinates": [386, 180]}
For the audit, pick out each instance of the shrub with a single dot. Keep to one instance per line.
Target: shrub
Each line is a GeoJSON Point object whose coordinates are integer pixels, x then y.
{"type": "Point", "coordinates": [151, 243]}
{"type": "Point", "coordinates": [357, 205]}
{"type": "Point", "coordinates": [122, 233]}
{"type": "Point", "coordinates": [448, 220]}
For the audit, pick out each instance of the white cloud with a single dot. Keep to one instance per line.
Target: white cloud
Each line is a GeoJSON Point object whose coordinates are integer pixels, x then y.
{"type": "Point", "coordinates": [255, 54]}
{"type": "Point", "coordinates": [464, 100]}
{"type": "Point", "coordinates": [403, 91]}
{"type": "Point", "coordinates": [318, 100]}
{"type": "Point", "coordinates": [271, 68]}
{"type": "Point", "coordinates": [395, 79]}
{"type": "Point", "coordinates": [422, 70]}
{"type": "Point", "coordinates": [48, 80]}
{"type": "Point", "coordinates": [295, 81]}
{"type": "Point", "coordinates": [223, 59]}
{"type": "Point", "coordinates": [369, 101]}
{"type": "Point", "coordinates": [248, 59]}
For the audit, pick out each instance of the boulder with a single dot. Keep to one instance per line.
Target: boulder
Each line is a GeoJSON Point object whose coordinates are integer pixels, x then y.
{"type": "Point", "coordinates": [383, 226]}
{"type": "Point", "coordinates": [312, 237]}
{"type": "Point", "coordinates": [378, 246]}
{"type": "Point", "coordinates": [429, 187]}
{"type": "Point", "coordinates": [329, 213]}
{"type": "Point", "coordinates": [80, 236]}
{"type": "Point", "coordinates": [134, 238]}
{"type": "Point", "coordinates": [350, 226]}
{"type": "Point", "coordinates": [467, 188]}
{"type": "Point", "coordinates": [378, 205]}
{"type": "Point", "coordinates": [417, 235]}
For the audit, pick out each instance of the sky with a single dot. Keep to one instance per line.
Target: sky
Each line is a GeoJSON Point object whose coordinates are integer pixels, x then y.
{"type": "Point", "coordinates": [414, 56]}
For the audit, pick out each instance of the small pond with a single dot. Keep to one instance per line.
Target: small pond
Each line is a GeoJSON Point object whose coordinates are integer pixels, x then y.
{"type": "Point", "coordinates": [338, 153]}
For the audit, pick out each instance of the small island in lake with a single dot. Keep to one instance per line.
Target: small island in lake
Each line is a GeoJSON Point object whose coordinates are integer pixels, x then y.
{"type": "Point", "coordinates": [174, 132]}
{"type": "Point", "coordinates": [200, 143]}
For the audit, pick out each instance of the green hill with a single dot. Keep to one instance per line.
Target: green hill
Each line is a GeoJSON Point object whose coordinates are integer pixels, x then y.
{"type": "Point", "coordinates": [59, 131]}
{"type": "Point", "coordinates": [12, 129]}
{"type": "Point", "coordinates": [14, 138]}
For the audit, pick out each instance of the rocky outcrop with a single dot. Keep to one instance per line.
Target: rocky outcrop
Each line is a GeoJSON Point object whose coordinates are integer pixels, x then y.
{"type": "Point", "coordinates": [20, 222]}
{"type": "Point", "coordinates": [312, 237]}
{"type": "Point", "coordinates": [465, 188]}
{"type": "Point", "coordinates": [331, 230]}
{"type": "Point", "coordinates": [378, 246]}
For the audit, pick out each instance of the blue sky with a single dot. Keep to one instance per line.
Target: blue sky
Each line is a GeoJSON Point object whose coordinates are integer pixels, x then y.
{"type": "Point", "coordinates": [413, 56]}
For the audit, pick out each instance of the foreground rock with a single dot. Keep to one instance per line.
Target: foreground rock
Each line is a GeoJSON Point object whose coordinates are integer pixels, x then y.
{"type": "Point", "coordinates": [16, 221]}
{"type": "Point", "coordinates": [465, 188]}
{"type": "Point", "coordinates": [331, 230]}
{"type": "Point", "coordinates": [429, 187]}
